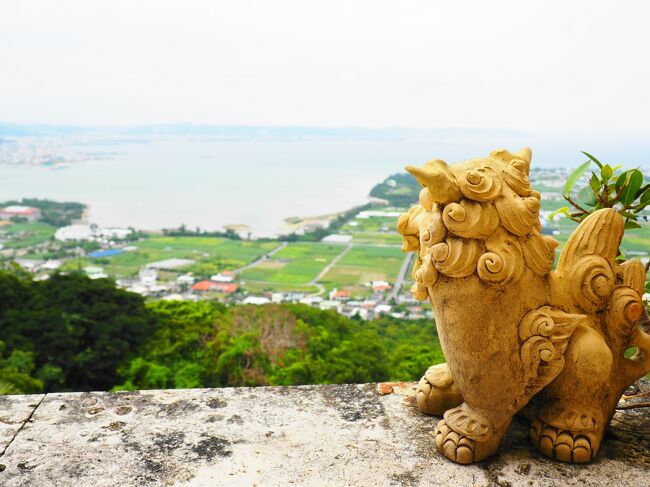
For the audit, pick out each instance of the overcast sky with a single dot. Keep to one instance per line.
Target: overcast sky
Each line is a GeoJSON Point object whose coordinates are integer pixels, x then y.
{"type": "Point", "coordinates": [546, 65]}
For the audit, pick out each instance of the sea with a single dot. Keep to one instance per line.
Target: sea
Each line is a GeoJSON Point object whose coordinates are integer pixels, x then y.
{"type": "Point", "coordinates": [164, 182]}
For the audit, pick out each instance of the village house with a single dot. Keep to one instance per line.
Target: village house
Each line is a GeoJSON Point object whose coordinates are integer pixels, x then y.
{"type": "Point", "coordinates": [257, 300]}
{"type": "Point", "coordinates": [220, 287]}
{"type": "Point", "coordinates": [225, 276]}
{"type": "Point", "coordinates": [336, 295]}
{"type": "Point", "coordinates": [379, 286]}
{"type": "Point", "coordinates": [27, 212]}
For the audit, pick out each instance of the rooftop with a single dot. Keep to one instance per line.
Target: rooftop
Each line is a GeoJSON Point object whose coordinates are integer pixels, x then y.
{"type": "Point", "coordinates": [19, 210]}
{"type": "Point", "coordinates": [308, 435]}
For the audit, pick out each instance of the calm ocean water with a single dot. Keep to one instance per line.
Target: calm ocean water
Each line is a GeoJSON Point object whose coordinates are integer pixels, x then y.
{"type": "Point", "coordinates": [166, 183]}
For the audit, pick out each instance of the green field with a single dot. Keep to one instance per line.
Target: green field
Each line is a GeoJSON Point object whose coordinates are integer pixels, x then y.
{"type": "Point", "coordinates": [372, 224]}
{"type": "Point", "coordinates": [22, 235]}
{"type": "Point", "coordinates": [362, 264]}
{"type": "Point", "coordinates": [374, 230]}
{"type": "Point", "coordinates": [211, 255]}
{"type": "Point", "coordinates": [377, 238]}
{"type": "Point", "coordinates": [296, 264]}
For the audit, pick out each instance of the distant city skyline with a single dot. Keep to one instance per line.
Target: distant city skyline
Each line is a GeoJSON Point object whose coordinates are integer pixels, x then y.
{"type": "Point", "coordinates": [572, 67]}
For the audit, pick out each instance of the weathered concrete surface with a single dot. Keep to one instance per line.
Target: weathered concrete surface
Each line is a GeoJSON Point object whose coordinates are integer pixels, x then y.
{"type": "Point", "coordinates": [14, 412]}
{"type": "Point", "coordinates": [312, 435]}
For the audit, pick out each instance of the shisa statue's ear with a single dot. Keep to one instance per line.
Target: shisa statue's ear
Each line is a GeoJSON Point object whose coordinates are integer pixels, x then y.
{"type": "Point", "coordinates": [520, 159]}
{"type": "Point", "coordinates": [438, 179]}
{"type": "Point", "coordinates": [525, 155]}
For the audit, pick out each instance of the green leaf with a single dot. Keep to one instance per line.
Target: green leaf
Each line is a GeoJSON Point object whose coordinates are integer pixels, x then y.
{"type": "Point", "coordinates": [645, 198]}
{"type": "Point", "coordinates": [595, 182]}
{"type": "Point", "coordinates": [586, 196]}
{"type": "Point", "coordinates": [574, 176]}
{"type": "Point", "coordinates": [631, 224]}
{"type": "Point", "coordinates": [622, 179]}
{"type": "Point", "coordinates": [606, 172]}
{"type": "Point", "coordinates": [560, 211]}
{"type": "Point", "coordinates": [628, 193]}
{"type": "Point", "coordinates": [598, 163]}
{"type": "Point", "coordinates": [642, 190]}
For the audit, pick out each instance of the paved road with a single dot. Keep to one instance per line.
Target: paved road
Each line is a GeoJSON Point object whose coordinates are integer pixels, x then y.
{"type": "Point", "coordinates": [262, 258]}
{"type": "Point", "coordinates": [326, 269]}
{"type": "Point", "coordinates": [399, 282]}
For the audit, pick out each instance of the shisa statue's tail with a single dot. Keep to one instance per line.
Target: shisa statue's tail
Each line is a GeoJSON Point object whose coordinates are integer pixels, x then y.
{"type": "Point", "coordinates": [588, 272]}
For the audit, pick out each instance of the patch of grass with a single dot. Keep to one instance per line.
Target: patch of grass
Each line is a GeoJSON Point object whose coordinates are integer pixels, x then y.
{"type": "Point", "coordinates": [211, 255]}
{"type": "Point", "coordinates": [296, 264]}
{"type": "Point", "coordinates": [256, 287]}
{"type": "Point", "coordinates": [372, 224]}
{"type": "Point", "coordinates": [362, 264]}
{"type": "Point", "coordinates": [377, 238]}
{"type": "Point", "coordinates": [22, 235]}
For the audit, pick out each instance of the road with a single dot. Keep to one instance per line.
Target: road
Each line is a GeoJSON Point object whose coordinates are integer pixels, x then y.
{"type": "Point", "coordinates": [326, 269]}
{"type": "Point", "coordinates": [399, 282]}
{"type": "Point", "coordinates": [261, 259]}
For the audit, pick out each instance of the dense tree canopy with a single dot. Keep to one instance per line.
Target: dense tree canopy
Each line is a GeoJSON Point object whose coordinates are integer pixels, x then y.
{"type": "Point", "coordinates": [76, 330]}
{"type": "Point", "coordinates": [73, 333]}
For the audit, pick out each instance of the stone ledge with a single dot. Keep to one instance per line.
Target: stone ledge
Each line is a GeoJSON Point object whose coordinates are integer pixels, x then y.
{"type": "Point", "coordinates": [307, 435]}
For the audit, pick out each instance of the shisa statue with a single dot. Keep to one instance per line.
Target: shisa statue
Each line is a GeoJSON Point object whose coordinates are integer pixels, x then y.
{"type": "Point", "coordinates": [518, 336]}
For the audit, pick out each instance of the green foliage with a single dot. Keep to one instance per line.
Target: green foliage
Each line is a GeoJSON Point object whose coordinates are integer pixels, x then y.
{"type": "Point", "coordinates": [400, 190]}
{"type": "Point", "coordinates": [15, 373]}
{"type": "Point", "coordinates": [608, 187]}
{"type": "Point", "coordinates": [208, 345]}
{"type": "Point", "coordinates": [76, 329]}
{"type": "Point", "coordinates": [73, 333]}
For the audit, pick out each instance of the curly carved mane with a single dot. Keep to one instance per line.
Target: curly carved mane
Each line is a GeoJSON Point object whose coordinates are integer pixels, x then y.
{"type": "Point", "coordinates": [480, 216]}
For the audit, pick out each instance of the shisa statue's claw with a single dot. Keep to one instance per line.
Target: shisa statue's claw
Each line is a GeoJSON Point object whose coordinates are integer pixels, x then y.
{"type": "Point", "coordinates": [437, 392]}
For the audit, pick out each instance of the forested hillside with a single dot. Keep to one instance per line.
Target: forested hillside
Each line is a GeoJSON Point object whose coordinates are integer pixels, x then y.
{"type": "Point", "coordinates": [71, 333]}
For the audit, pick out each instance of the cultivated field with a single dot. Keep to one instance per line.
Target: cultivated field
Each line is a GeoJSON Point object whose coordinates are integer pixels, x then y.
{"type": "Point", "coordinates": [295, 265]}
{"type": "Point", "coordinates": [210, 254]}
{"type": "Point", "coordinates": [24, 235]}
{"type": "Point", "coordinates": [364, 263]}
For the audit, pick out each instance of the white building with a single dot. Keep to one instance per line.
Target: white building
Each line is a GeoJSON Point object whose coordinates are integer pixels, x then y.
{"type": "Point", "coordinates": [337, 239]}
{"type": "Point", "coordinates": [329, 304]}
{"type": "Point", "coordinates": [148, 276]}
{"type": "Point", "coordinates": [311, 301]}
{"type": "Point", "coordinates": [52, 265]}
{"type": "Point", "coordinates": [256, 300]}
{"type": "Point", "coordinates": [75, 232]}
{"type": "Point", "coordinates": [95, 272]}
{"type": "Point", "coordinates": [225, 276]}
{"type": "Point", "coordinates": [113, 233]}
{"type": "Point", "coordinates": [185, 280]}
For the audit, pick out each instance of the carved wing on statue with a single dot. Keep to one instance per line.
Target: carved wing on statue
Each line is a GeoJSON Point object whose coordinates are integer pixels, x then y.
{"type": "Point", "coordinates": [544, 335]}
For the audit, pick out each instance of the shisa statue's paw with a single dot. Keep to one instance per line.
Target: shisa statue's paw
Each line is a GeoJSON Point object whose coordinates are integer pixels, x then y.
{"type": "Point", "coordinates": [459, 448]}
{"type": "Point", "coordinates": [464, 436]}
{"type": "Point", "coordinates": [455, 447]}
{"type": "Point", "coordinates": [437, 392]}
{"type": "Point", "coordinates": [564, 445]}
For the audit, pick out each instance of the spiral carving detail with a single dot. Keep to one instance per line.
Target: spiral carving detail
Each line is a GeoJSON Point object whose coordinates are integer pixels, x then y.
{"type": "Point", "coordinates": [481, 184]}
{"type": "Point", "coordinates": [456, 257]}
{"type": "Point", "coordinates": [471, 219]}
{"type": "Point", "coordinates": [592, 281]}
{"type": "Point", "coordinates": [503, 261]}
